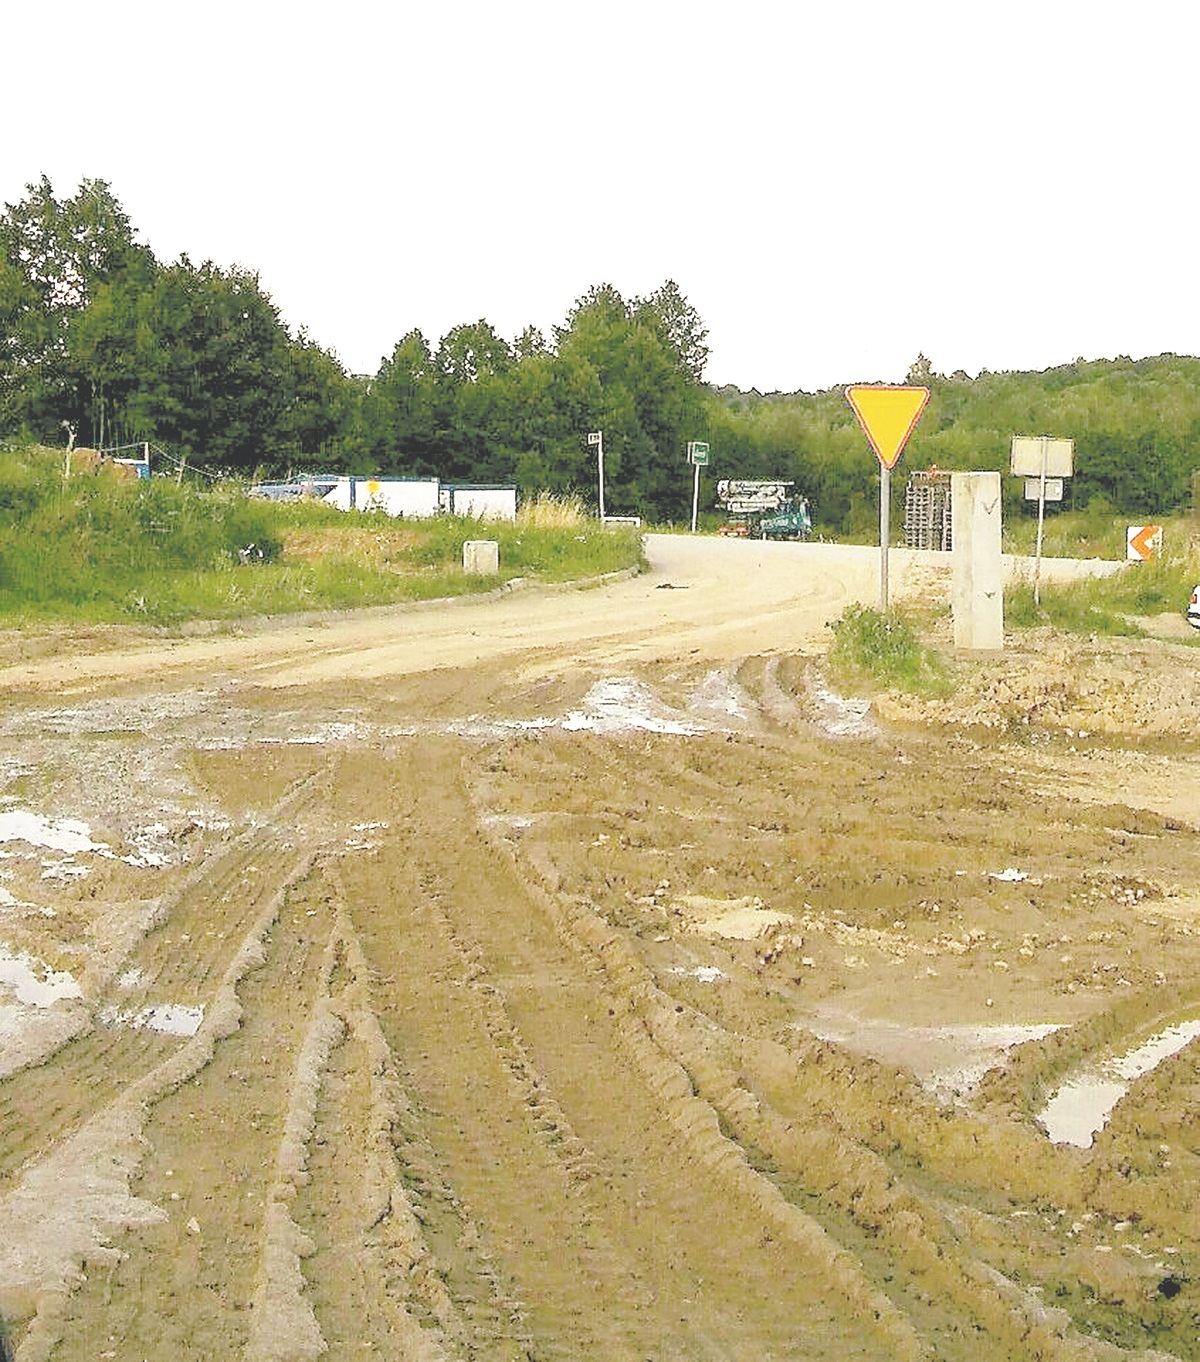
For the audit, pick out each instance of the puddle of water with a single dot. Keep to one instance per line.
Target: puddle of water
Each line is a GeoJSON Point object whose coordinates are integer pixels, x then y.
{"type": "Point", "coordinates": [169, 1019]}
{"type": "Point", "coordinates": [64, 870]}
{"type": "Point", "coordinates": [843, 717]}
{"type": "Point", "coordinates": [707, 974]}
{"type": "Point", "coordinates": [364, 843]}
{"type": "Point", "coordinates": [68, 835]}
{"type": "Point", "coordinates": [946, 1060]}
{"type": "Point", "coordinates": [489, 728]}
{"type": "Point", "coordinates": [622, 705]}
{"type": "Point", "coordinates": [150, 847]}
{"type": "Point", "coordinates": [615, 706]}
{"type": "Point", "coordinates": [330, 732]}
{"type": "Point", "coordinates": [110, 716]}
{"type": "Point", "coordinates": [510, 822]}
{"type": "Point", "coordinates": [720, 699]}
{"type": "Point", "coordinates": [34, 983]}
{"type": "Point", "coordinates": [1082, 1106]}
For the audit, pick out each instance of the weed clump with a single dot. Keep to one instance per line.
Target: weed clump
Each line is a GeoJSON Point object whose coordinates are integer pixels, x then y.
{"type": "Point", "coordinates": [881, 648]}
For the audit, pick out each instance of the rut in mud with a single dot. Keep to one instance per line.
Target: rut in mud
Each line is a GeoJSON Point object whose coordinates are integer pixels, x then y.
{"type": "Point", "coordinates": [674, 1012]}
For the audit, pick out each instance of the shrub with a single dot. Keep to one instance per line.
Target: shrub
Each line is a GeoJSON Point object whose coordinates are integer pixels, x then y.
{"type": "Point", "coordinates": [883, 648]}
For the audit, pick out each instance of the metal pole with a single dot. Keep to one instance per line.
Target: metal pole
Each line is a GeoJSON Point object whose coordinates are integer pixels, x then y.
{"type": "Point", "coordinates": [695, 495]}
{"type": "Point", "coordinates": [600, 469]}
{"type": "Point", "coordinates": [1037, 564]}
{"type": "Point", "coordinates": [885, 479]}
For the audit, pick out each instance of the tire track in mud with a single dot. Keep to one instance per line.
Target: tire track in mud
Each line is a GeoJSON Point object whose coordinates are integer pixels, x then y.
{"type": "Point", "coordinates": [597, 1183]}
{"type": "Point", "coordinates": [817, 1156]}
{"type": "Point", "coordinates": [189, 940]}
{"type": "Point", "coordinates": [345, 1264]}
{"type": "Point", "coordinates": [182, 1287]}
{"type": "Point", "coordinates": [69, 1203]}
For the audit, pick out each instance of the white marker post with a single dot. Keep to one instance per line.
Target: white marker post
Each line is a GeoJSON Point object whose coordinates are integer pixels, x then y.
{"type": "Point", "coordinates": [596, 437]}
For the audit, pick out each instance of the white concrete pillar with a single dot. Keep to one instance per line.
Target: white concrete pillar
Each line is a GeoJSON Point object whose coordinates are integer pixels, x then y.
{"type": "Point", "coordinates": [481, 557]}
{"type": "Point", "coordinates": [978, 597]}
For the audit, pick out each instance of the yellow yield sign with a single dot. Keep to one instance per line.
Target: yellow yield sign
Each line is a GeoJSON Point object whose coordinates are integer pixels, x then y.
{"type": "Point", "coordinates": [888, 416]}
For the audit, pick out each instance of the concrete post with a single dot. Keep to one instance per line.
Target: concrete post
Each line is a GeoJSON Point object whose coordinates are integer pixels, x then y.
{"type": "Point", "coordinates": [481, 557]}
{"type": "Point", "coordinates": [978, 597]}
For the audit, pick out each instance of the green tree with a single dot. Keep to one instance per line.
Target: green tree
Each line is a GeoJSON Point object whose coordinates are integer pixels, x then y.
{"type": "Point", "coordinates": [313, 427]}
{"type": "Point", "coordinates": [640, 393]}
{"type": "Point", "coordinates": [471, 411]}
{"type": "Point", "coordinates": [213, 367]}
{"type": "Point", "coordinates": [56, 256]}
{"type": "Point", "coordinates": [398, 428]}
{"type": "Point", "coordinates": [679, 325]}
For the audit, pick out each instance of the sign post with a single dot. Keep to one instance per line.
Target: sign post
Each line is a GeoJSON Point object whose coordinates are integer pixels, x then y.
{"type": "Point", "coordinates": [888, 416]}
{"type": "Point", "coordinates": [596, 437]}
{"type": "Point", "coordinates": [1046, 462]}
{"type": "Point", "coordinates": [698, 454]}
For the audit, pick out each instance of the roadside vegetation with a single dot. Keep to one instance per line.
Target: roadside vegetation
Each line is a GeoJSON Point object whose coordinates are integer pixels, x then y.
{"type": "Point", "coordinates": [883, 648]}
{"type": "Point", "coordinates": [95, 549]}
{"type": "Point", "coordinates": [98, 333]}
{"type": "Point", "coordinates": [1112, 605]}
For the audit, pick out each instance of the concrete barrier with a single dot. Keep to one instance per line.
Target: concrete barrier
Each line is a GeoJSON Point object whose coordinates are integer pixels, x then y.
{"type": "Point", "coordinates": [481, 557]}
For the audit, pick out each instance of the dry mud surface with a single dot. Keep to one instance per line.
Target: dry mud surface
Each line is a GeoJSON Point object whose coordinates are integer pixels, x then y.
{"type": "Point", "coordinates": [573, 975]}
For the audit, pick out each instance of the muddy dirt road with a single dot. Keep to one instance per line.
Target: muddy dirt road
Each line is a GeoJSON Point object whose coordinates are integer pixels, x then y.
{"type": "Point", "coordinates": [574, 975]}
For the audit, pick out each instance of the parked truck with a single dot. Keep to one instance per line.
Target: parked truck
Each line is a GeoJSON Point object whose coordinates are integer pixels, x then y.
{"type": "Point", "coordinates": [763, 510]}
{"type": "Point", "coordinates": [791, 521]}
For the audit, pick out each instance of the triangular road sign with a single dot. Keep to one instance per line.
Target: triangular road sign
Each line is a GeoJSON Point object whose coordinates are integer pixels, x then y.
{"type": "Point", "coordinates": [888, 417]}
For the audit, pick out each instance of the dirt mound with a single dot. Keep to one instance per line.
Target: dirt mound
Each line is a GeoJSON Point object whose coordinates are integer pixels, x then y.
{"type": "Point", "coordinates": [1126, 688]}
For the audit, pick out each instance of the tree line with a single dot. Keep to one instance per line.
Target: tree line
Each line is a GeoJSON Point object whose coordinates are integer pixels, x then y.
{"type": "Point", "coordinates": [97, 333]}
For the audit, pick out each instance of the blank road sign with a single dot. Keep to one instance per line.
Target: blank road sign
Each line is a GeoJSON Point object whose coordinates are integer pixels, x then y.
{"type": "Point", "coordinates": [1033, 489]}
{"type": "Point", "coordinates": [1027, 456]}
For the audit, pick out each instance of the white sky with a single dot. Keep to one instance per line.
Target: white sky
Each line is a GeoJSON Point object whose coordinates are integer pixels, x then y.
{"type": "Point", "coordinates": [834, 187]}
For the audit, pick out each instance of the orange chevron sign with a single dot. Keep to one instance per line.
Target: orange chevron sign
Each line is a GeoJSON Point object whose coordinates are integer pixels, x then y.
{"type": "Point", "coordinates": [888, 416]}
{"type": "Point", "coordinates": [1142, 542]}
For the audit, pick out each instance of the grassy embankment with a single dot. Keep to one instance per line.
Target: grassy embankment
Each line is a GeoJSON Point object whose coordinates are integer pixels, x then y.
{"type": "Point", "coordinates": [872, 649]}
{"type": "Point", "coordinates": [94, 549]}
{"type": "Point", "coordinates": [1104, 605]}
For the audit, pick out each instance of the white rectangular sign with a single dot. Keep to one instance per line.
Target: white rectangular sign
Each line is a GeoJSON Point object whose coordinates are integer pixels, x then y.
{"type": "Point", "coordinates": [1027, 453]}
{"type": "Point", "coordinates": [1033, 489]}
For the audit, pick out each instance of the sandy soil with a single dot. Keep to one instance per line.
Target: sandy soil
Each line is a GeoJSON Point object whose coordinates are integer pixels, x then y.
{"type": "Point", "coordinates": [575, 974]}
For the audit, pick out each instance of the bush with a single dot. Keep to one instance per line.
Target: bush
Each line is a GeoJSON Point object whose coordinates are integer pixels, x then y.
{"type": "Point", "coordinates": [883, 648]}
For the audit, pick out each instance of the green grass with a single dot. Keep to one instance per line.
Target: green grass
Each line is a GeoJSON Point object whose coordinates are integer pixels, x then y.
{"type": "Point", "coordinates": [874, 648]}
{"type": "Point", "coordinates": [1112, 604]}
{"type": "Point", "coordinates": [97, 550]}
{"type": "Point", "coordinates": [1066, 534]}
